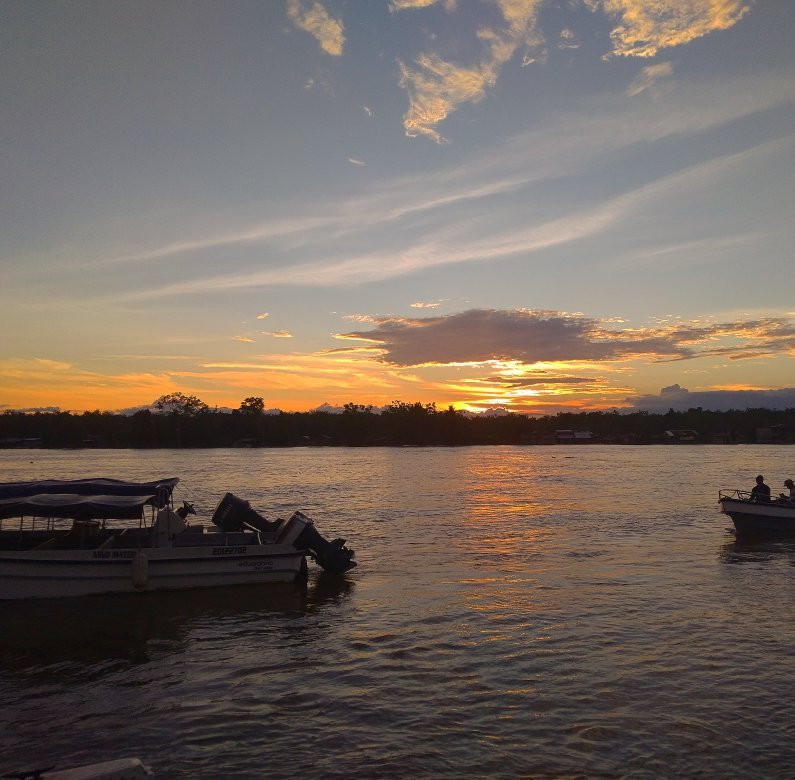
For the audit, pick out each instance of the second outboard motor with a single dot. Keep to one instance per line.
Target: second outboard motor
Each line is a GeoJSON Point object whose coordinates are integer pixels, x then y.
{"type": "Point", "coordinates": [235, 514]}
{"type": "Point", "coordinates": [333, 556]}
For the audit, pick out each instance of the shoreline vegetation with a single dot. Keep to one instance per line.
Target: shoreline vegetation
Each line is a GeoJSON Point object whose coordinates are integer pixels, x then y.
{"type": "Point", "coordinates": [184, 421]}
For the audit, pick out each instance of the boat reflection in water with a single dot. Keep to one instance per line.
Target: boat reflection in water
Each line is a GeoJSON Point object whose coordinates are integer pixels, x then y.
{"type": "Point", "coordinates": [758, 550]}
{"type": "Point", "coordinates": [80, 635]}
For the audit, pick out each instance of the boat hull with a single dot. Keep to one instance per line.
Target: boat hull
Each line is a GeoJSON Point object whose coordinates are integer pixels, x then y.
{"type": "Point", "coordinates": [57, 574]}
{"type": "Point", "coordinates": [752, 518]}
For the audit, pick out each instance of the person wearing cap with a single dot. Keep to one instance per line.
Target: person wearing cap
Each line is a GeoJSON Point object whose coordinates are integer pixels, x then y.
{"type": "Point", "coordinates": [760, 491]}
{"type": "Point", "coordinates": [791, 497]}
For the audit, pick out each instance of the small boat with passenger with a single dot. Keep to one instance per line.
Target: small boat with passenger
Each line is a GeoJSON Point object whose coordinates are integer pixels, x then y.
{"type": "Point", "coordinates": [91, 536]}
{"type": "Point", "coordinates": [753, 517]}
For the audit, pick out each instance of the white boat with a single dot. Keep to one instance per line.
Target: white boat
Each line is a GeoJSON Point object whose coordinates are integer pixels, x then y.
{"type": "Point", "coordinates": [752, 517]}
{"type": "Point", "coordinates": [79, 537]}
{"type": "Point", "coordinates": [119, 769]}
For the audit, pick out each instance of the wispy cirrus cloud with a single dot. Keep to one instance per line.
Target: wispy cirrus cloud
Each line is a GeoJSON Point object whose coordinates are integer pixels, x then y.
{"type": "Point", "coordinates": [559, 148]}
{"type": "Point", "coordinates": [648, 80]}
{"type": "Point", "coordinates": [686, 254]}
{"type": "Point", "coordinates": [250, 235]}
{"type": "Point", "coordinates": [278, 334]}
{"type": "Point", "coordinates": [456, 243]}
{"type": "Point", "coordinates": [405, 5]}
{"type": "Point", "coordinates": [341, 375]}
{"type": "Point", "coordinates": [29, 383]}
{"type": "Point", "coordinates": [276, 251]}
{"type": "Point", "coordinates": [312, 17]}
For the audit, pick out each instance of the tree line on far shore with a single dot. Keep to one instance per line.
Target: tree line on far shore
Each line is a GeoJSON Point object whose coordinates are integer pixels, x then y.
{"type": "Point", "coordinates": [180, 420]}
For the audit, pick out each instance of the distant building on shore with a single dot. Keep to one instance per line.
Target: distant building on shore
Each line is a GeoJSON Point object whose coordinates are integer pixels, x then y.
{"type": "Point", "coordinates": [682, 436]}
{"type": "Point", "coordinates": [568, 436]}
{"type": "Point", "coordinates": [21, 443]}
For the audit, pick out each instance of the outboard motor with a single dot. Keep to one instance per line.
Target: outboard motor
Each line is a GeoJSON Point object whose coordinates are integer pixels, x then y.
{"type": "Point", "coordinates": [333, 556]}
{"type": "Point", "coordinates": [235, 514]}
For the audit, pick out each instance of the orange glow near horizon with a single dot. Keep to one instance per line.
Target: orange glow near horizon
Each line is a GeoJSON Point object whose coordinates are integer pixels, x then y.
{"type": "Point", "coordinates": [303, 381]}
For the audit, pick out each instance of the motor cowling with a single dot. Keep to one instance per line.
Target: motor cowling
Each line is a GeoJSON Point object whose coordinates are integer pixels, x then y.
{"type": "Point", "coordinates": [235, 514]}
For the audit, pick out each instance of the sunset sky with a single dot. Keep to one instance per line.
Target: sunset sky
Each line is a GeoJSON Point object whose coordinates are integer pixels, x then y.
{"type": "Point", "coordinates": [534, 205]}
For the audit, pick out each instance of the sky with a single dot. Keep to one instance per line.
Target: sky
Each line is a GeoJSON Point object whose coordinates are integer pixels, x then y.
{"type": "Point", "coordinates": [531, 205]}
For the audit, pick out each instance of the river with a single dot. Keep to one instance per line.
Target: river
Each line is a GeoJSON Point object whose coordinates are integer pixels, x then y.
{"type": "Point", "coordinates": [580, 611]}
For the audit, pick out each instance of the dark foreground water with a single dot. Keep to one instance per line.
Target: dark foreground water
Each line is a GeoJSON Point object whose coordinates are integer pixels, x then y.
{"type": "Point", "coordinates": [517, 612]}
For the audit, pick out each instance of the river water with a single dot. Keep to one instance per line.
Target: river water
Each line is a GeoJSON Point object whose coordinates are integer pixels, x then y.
{"type": "Point", "coordinates": [577, 611]}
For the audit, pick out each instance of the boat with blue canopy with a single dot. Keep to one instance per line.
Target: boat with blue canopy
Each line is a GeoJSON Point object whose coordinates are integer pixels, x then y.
{"type": "Point", "coordinates": [88, 536]}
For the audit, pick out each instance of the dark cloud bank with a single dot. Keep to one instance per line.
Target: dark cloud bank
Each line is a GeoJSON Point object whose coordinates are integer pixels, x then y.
{"type": "Point", "coordinates": [680, 399]}
{"type": "Point", "coordinates": [481, 335]}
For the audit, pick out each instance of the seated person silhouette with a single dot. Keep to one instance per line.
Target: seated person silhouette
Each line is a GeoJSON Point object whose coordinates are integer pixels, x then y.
{"type": "Point", "coordinates": [760, 492]}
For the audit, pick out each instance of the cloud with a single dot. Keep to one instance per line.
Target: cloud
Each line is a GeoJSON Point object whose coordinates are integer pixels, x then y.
{"type": "Point", "coordinates": [687, 254]}
{"type": "Point", "coordinates": [354, 161]}
{"type": "Point", "coordinates": [483, 335]}
{"type": "Point", "coordinates": [53, 365]}
{"type": "Point", "coordinates": [568, 40]}
{"type": "Point", "coordinates": [360, 317]}
{"type": "Point", "coordinates": [314, 19]}
{"type": "Point", "coordinates": [278, 334]}
{"type": "Point", "coordinates": [295, 380]}
{"type": "Point", "coordinates": [249, 235]}
{"type": "Point", "coordinates": [263, 316]}
{"type": "Point", "coordinates": [33, 409]}
{"type": "Point", "coordinates": [540, 378]}
{"type": "Point", "coordinates": [681, 399]}
{"type": "Point", "coordinates": [426, 305]}
{"type": "Point", "coordinates": [495, 411]}
{"type": "Point", "coordinates": [437, 86]}
{"type": "Point", "coordinates": [406, 5]}
{"type": "Point", "coordinates": [450, 242]}
{"type": "Point", "coordinates": [244, 339]}
{"type": "Point", "coordinates": [329, 408]}
{"type": "Point", "coordinates": [30, 383]}
{"type": "Point", "coordinates": [646, 27]}
{"type": "Point", "coordinates": [649, 78]}
{"type": "Point", "coordinates": [562, 148]}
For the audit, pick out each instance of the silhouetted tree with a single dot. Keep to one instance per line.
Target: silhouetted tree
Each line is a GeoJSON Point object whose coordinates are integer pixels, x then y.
{"type": "Point", "coordinates": [187, 421]}
{"type": "Point", "coordinates": [358, 425]}
{"type": "Point", "coordinates": [252, 405]}
{"type": "Point", "coordinates": [179, 403]}
{"type": "Point", "coordinates": [179, 407]}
